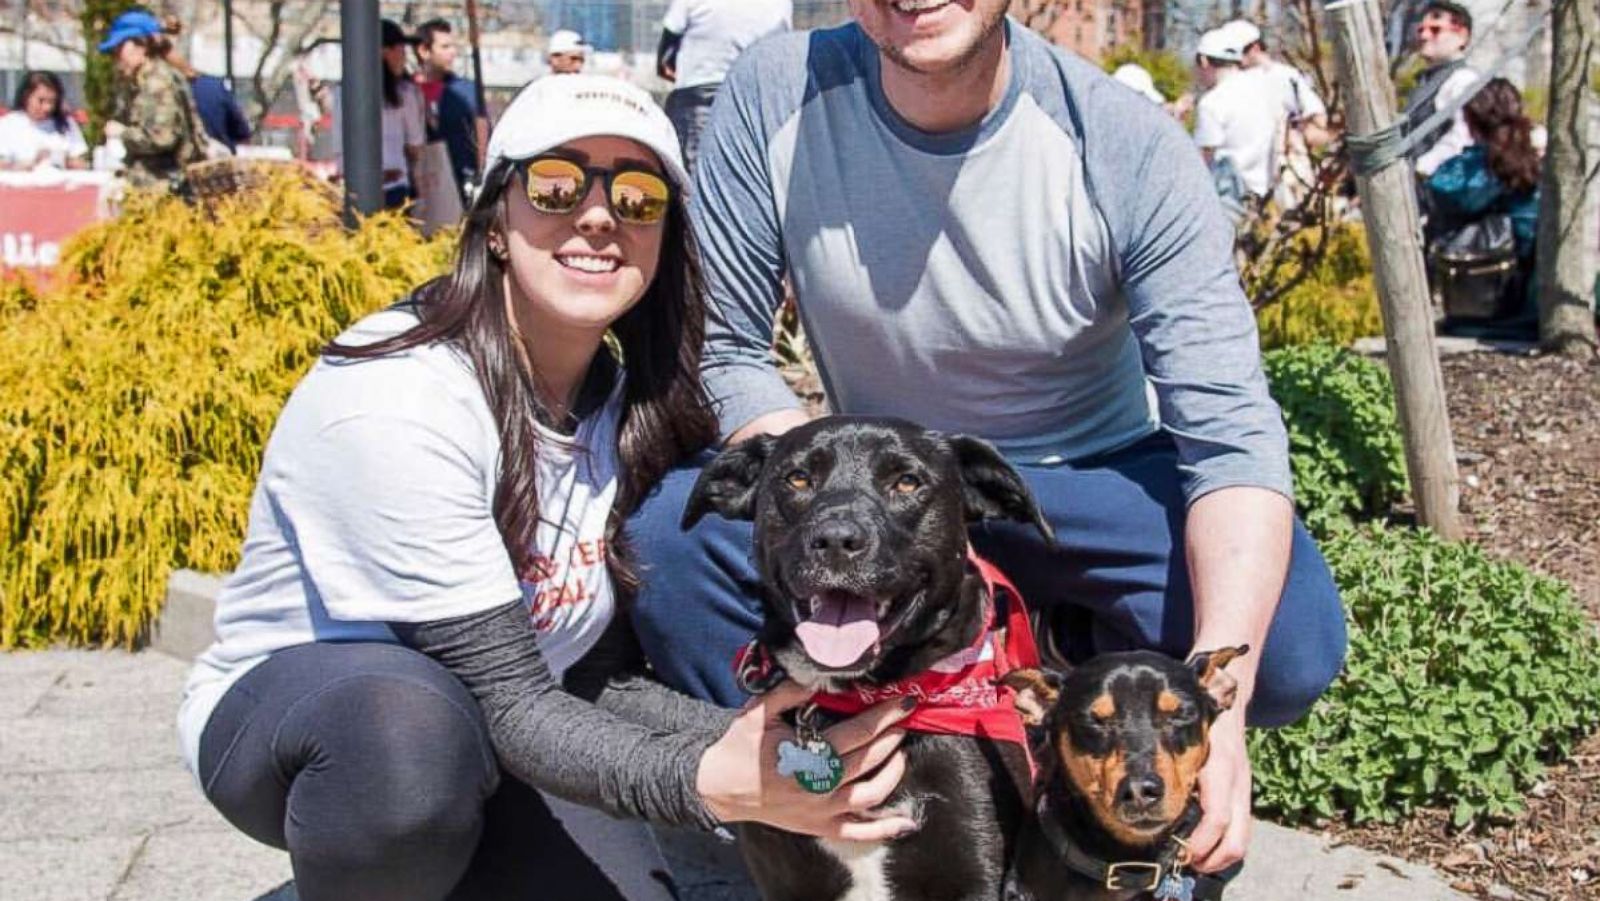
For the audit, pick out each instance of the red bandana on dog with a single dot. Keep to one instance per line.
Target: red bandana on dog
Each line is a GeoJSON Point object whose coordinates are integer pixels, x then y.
{"type": "Point", "coordinates": [962, 694]}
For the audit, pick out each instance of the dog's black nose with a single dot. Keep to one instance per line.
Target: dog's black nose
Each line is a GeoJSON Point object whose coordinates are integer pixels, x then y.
{"type": "Point", "coordinates": [837, 539]}
{"type": "Point", "coordinates": [1140, 791]}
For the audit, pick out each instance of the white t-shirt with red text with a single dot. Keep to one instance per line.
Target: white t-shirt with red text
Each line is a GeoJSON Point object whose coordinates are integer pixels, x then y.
{"type": "Point", "coordinates": [375, 504]}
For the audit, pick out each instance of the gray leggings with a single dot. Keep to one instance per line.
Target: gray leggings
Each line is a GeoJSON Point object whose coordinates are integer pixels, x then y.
{"type": "Point", "coordinates": [370, 764]}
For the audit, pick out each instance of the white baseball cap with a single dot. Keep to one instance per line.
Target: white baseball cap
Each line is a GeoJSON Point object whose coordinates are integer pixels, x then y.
{"type": "Point", "coordinates": [560, 108]}
{"type": "Point", "coordinates": [1242, 32]}
{"type": "Point", "coordinates": [565, 41]}
{"type": "Point", "coordinates": [1137, 77]}
{"type": "Point", "coordinates": [1220, 45]}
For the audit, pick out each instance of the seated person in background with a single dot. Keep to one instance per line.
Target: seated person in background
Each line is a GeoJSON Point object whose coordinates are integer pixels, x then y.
{"type": "Point", "coordinates": [38, 132]}
{"type": "Point", "coordinates": [1497, 175]}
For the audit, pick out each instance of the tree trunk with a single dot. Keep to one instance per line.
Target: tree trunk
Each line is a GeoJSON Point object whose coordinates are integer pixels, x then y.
{"type": "Point", "coordinates": [1389, 207]}
{"type": "Point", "coordinates": [1565, 271]}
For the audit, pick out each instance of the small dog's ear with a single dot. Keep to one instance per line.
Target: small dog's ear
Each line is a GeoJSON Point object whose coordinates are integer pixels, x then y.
{"type": "Point", "coordinates": [992, 489]}
{"type": "Point", "coordinates": [728, 483]}
{"type": "Point", "coordinates": [1207, 666]}
{"type": "Point", "coordinates": [1037, 690]}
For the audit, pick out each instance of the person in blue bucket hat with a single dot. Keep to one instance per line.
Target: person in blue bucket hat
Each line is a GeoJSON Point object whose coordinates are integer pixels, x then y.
{"type": "Point", "coordinates": [153, 110]}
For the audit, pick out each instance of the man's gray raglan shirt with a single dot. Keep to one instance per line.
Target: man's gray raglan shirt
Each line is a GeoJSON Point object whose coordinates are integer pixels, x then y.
{"type": "Point", "coordinates": [1057, 279]}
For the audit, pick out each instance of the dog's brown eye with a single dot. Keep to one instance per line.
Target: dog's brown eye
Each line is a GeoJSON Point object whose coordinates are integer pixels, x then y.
{"type": "Point", "coordinates": [906, 484]}
{"type": "Point", "coordinates": [798, 480]}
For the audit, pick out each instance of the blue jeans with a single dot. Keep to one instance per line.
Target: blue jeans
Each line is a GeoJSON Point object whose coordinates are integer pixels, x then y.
{"type": "Point", "coordinates": [1116, 581]}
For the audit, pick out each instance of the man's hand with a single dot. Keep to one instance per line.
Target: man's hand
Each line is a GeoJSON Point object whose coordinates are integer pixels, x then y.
{"type": "Point", "coordinates": [1238, 543]}
{"type": "Point", "coordinates": [113, 130]}
{"type": "Point", "coordinates": [1223, 835]}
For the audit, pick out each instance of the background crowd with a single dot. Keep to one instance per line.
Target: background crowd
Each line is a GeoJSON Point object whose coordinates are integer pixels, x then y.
{"type": "Point", "coordinates": [1260, 123]}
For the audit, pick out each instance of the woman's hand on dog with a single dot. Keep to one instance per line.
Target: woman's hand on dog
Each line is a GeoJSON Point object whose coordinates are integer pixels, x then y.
{"type": "Point", "coordinates": [738, 778]}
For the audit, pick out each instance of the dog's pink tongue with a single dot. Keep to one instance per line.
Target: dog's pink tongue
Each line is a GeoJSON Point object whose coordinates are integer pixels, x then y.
{"type": "Point", "coordinates": [842, 628]}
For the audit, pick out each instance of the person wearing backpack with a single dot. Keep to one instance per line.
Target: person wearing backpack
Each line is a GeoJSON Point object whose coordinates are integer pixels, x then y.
{"type": "Point", "coordinates": [1485, 210]}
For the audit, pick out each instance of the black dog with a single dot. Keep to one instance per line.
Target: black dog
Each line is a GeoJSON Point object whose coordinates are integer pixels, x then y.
{"type": "Point", "coordinates": [1121, 739]}
{"type": "Point", "coordinates": [861, 543]}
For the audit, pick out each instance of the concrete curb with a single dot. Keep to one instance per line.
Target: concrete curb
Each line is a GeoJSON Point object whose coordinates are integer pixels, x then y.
{"type": "Point", "coordinates": [186, 625]}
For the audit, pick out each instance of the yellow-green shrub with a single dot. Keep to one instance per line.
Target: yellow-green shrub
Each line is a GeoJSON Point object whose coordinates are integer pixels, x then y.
{"type": "Point", "coordinates": [1336, 304]}
{"type": "Point", "coordinates": [139, 390]}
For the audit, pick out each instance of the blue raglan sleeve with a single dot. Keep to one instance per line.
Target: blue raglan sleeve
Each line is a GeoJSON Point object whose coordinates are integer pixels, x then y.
{"type": "Point", "coordinates": [1196, 331]}
{"type": "Point", "coordinates": [734, 211]}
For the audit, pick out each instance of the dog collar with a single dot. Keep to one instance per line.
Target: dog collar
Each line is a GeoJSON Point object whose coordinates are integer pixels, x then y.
{"type": "Point", "coordinates": [1163, 878]}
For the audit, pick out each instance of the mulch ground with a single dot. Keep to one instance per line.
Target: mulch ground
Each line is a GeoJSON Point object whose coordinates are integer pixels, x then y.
{"type": "Point", "coordinates": [1527, 432]}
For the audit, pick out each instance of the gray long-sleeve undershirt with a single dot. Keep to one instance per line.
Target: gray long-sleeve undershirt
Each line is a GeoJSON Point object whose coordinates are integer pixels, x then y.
{"type": "Point", "coordinates": [611, 738]}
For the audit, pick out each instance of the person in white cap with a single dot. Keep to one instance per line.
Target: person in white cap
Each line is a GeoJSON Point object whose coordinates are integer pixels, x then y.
{"type": "Point", "coordinates": [700, 40]}
{"type": "Point", "coordinates": [425, 624]}
{"type": "Point", "coordinates": [1238, 121]}
{"type": "Point", "coordinates": [566, 52]}
{"type": "Point", "coordinates": [1138, 78]}
{"type": "Point", "coordinates": [1307, 114]}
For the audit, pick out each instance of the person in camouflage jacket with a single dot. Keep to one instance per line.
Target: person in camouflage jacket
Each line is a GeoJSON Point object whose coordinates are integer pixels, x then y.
{"type": "Point", "coordinates": [153, 110]}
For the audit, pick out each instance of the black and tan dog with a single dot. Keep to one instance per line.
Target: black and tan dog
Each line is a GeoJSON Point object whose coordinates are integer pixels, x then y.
{"type": "Point", "coordinates": [870, 592]}
{"type": "Point", "coordinates": [1121, 740]}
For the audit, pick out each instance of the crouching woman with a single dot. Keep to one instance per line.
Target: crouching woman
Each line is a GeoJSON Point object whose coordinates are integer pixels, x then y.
{"type": "Point", "coordinates": [425, 620]}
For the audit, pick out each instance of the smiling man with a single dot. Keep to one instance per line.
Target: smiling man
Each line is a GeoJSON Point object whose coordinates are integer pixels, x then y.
{"type": "Point", "coordinates": [988, 235]}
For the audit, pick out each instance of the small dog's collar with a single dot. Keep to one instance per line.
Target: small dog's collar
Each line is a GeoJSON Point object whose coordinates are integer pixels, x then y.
{"type": "Point", "coordinates": [1163, 878]}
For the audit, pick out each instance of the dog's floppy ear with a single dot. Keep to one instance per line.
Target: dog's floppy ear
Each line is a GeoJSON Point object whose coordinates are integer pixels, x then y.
{"type": "Point", "coordinates": [1037, 690]}
{"type": "Point", "coordinates": [728, 483]}
{"type": "Point", "coordinates": [1207, 666]}
{"type": "Point", "coordinates": [992, 489]}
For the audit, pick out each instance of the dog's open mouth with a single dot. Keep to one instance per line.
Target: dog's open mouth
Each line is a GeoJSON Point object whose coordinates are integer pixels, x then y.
{"type": "Point", "coordinates": [838, 628]}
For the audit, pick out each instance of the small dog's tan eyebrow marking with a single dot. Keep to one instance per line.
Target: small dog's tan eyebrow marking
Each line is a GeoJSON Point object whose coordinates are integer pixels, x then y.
{"type": "Point", "coordinates": [1167, 702]}
{"type": "Point", "coordinates": [1103, 708]}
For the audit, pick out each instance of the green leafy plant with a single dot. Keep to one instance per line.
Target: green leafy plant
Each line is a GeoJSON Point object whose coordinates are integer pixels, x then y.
{"type": "Point", "coordinates": [1465, 676]}
{"type": "Point", "coordinates": [1344, 435]}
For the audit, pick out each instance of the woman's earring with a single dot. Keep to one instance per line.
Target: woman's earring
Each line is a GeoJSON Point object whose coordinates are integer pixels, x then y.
{"type": "Point", "coordinates": [497, 246]}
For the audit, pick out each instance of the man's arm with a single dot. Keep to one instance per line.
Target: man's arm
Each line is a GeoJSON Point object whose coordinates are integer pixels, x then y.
{"type": "Point", "coordinates": [674, 25]}
{"type": "Point", "coordinates": [1197, 337]}
{"type": "Point", "coordinates": [1310, 112]}
{"type": "Point", "coordinates": [667, 54]}
{"type": "Point", "coordinates": [1237, 540]}
{"type": "Point", "coordinates": [736, 224]}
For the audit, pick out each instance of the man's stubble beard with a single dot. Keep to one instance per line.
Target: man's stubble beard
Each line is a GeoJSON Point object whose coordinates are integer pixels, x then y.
{"type": "Point", "coordinates": [896, 56]}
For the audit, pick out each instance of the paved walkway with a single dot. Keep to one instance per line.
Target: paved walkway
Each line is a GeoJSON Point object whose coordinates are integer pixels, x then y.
{"type": "Point", "coordinates": [95, 805]}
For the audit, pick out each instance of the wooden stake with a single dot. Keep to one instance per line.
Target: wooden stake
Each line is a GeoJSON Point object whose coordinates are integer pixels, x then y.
{"type": "Point", "coordinates": [1394, 235]}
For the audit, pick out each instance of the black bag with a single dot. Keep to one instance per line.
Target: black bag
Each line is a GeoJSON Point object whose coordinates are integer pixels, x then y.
{"type": "Point", "coordinates": [1475, 269]}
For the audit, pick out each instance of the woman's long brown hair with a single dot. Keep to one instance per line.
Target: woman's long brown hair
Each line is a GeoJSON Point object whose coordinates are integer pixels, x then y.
{"type": "Point", "coordinates": [1495, 115]}
{"type": "Point", "coordinates": [666, 415]}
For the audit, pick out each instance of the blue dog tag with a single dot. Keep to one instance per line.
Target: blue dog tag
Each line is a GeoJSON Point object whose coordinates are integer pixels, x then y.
{"type": "Point", "coordinates": [1174, 887]}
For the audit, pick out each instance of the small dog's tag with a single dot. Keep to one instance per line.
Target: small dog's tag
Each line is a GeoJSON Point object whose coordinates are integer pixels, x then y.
{"type": "Point", "coordinates": [1175, 887]}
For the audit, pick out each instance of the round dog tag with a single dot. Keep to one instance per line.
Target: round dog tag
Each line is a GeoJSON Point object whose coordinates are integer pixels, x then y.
{"type": "Point", "coordinates": [813, 763]}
